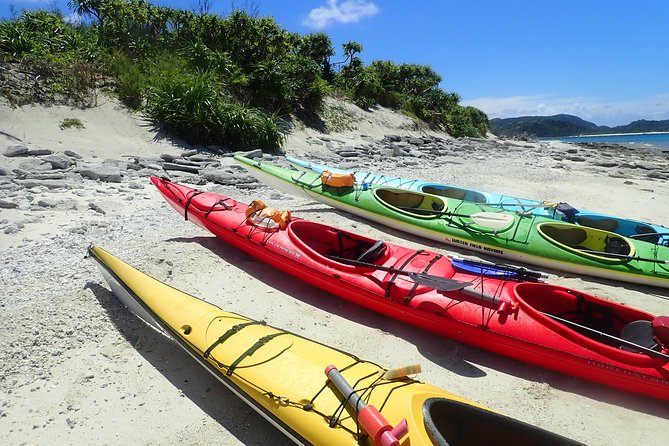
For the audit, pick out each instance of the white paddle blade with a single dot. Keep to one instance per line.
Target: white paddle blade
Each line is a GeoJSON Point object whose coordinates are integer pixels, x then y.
{"type": "Point", "coordinates": [492, 220]}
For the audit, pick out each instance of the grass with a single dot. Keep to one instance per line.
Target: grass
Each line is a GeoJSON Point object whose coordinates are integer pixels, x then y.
{"type": "Point", "coordinates": [72, 123]}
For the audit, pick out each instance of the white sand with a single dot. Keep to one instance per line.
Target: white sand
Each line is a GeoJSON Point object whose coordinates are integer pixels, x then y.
{"type": "Point", "coordinates": [76, 368]}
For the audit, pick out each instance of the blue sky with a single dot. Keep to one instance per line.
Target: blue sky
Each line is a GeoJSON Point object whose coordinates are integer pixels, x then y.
{"type": "Point", "coordinates": [605, 61]}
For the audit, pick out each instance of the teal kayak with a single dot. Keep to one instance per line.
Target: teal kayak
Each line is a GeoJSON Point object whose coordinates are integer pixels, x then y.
{"type": "Point", "coordinates": [518, 237]}
{"type": "Point", "coordinates": [558, 211]}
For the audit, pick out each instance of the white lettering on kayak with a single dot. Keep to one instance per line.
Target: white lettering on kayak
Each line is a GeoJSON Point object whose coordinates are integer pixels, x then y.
{"type": "Point", "coordinates": [297, 255]}
{"type": "Point", "coordinates": [476, 246]}
{"type": "Point", "coordinates": [613, 368]}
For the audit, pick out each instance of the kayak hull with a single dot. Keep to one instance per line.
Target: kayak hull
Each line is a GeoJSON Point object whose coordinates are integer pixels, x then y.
{"type": "Point", "coordinates": [520, 242]}
{"type": "Point", "coordinates": [618, 225]}
{"type": "Point", "coordinates": [525, 335]}
{"type": "Point", "coordinates": [281, 375]}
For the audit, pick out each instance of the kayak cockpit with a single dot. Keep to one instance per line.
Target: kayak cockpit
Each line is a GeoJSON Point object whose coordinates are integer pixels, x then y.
{"type": "Point", "coordinates": [453, 423]}
{"type": "Point", "coordinates": [458, 193]}
{"type": "Point", "coordinates": [416, 204]}
{"type": "Point", "coordinates": [589, 242]}
{"type": "Point", "coordinates": [334, 246]}
{"type": "Point", "coordinates": [591, 321]}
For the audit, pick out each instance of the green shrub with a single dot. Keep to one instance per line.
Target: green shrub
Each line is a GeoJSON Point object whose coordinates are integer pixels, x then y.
{"type": "Point", "coordinates": [192, 106]}
{"type": "Point", "coordinates": [130, 81]}
{"type": "Point", "coordinates": [467, 121]}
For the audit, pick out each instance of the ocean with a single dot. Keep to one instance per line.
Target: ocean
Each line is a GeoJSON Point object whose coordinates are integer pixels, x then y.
{"type": "Point", "coordinates": [658, 140]}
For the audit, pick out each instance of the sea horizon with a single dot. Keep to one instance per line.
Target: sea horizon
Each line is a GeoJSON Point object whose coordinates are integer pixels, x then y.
{"type": "Point", "coordinates": [658, 140]}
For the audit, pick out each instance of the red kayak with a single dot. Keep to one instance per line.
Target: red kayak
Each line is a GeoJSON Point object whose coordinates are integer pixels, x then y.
{"type": "Point", "coordinates": [495, 308]}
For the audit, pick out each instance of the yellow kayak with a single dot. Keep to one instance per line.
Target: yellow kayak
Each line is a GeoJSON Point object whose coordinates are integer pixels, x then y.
{"type": "Point", "coordinates": [283, 376]}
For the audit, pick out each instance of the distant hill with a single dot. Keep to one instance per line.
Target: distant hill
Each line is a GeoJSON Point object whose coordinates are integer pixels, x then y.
{"type": "Point", "coordinates": [567, 125]}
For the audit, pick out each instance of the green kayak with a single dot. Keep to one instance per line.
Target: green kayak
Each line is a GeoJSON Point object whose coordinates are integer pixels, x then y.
{"type": "Point", "coordinates": [515, 236]}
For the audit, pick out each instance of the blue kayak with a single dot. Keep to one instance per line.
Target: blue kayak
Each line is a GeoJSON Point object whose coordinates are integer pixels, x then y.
{"type": "Point", "coordinates": [558, 211]}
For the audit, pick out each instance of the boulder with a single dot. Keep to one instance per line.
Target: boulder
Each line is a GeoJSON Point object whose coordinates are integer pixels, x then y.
{"type": "Point", "coordinates": [72, 154]}
{"type": "Point", "coordinates": [105, 173]}
{"type": "Point", "coordinates": [16, 150]}
{"type": "Point", "coordinates": [58, 161]}
{"type": "Point", "coordinates": [8, 205]}
{"type": "Point", "coordinates": [39, 152]}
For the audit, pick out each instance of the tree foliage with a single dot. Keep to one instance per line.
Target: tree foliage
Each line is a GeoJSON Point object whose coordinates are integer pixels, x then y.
{"type": "Point", "coordinates": [246, 70]}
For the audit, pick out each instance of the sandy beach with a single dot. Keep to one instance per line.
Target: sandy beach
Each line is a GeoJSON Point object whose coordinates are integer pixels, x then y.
{"type": "Point", "coordinates": [77, 368]}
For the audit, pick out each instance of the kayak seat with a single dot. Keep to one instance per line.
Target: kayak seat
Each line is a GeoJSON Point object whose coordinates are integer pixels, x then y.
{"type": "Point", "coordinates": [660, 327]}
{"type": "Point", "coordinates": [640, 333]}
{"type": "Point", "coordinates": [605, 224]}
{"type": "Point", "coordinates": [373, 253]}
{"type": "Point", "coordinates": [616, 245]}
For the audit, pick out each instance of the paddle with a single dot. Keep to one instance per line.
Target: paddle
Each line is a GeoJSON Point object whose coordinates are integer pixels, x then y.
{"type": "Point", "coordinates": [436, 282]}
{"type": "Point", "coordinates": [545, 204]}
{"type": "Point", "coordinates": [493, 220]}
{"type": "Point", "coordinates": [521, 273]}
{"type": "Point", "coordinates": [443, 284]}
{"type": "Point", "coordinates": [626, 343]}
{"type": "Point", "coordinates": [623, 256]}
{"type": "Point", "coordinates": [649, 234]}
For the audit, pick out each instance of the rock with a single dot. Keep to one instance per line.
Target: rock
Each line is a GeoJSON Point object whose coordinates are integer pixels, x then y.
{"type": "Point", "coordinates": [572, 150]}
{"type": "Point", "coordinates": [647, 166]}
{"type": "Point", "coordinates": [48, 175]}
{"type": "Point", "coordinates": [180, 167]}
{"type": "Point", "coordinates": [49, 184]}
{"type": "Point", "coordinates": [604, 163]}
{"type": "Point", "coordinates": [167, 157]}
{"type": "Point", "coordinates": [16, 150]}
{"type": "Point", "coordinates": [34, 164]}
{"type": "Point", "coordinates": [225, 177]}
{"type": "Point", "coordinates": [96, 208]}
{"type": "Point", "coordinates": [257, 153]}
{"type": "Point", "coordinates": [106, 173]}
{"type": "Point", "coordinates": [349, 154]}
{"type": "Point", "coordinates": [39, 152]}
{"type": "Point", "coordinates": [415, 141]}
{"type": "Point", "coordinates": [59, 161]}
{"type": "Point", "coordinates": [11, 229]}
{"type": "Point", "coordinates": [575, 158]}
{"type": "Point", "coordinates": [3, 171]}
{"type": "Point", "coordinates": [8, 205]}
{"type": "Point", "coordinates": [184, 162]}
{"type": "Point", "coordinates": [47, 203]}
{"type": "Point", "coordinates": [72, 154]}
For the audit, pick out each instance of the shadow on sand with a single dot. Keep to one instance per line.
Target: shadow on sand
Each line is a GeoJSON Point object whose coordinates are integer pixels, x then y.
{"type": "Point", "coordinates": [183, 373]}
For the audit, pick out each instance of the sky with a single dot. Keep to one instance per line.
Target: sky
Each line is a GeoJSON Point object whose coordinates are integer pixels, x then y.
{"type": "Point", "coordinates": [604, 61]}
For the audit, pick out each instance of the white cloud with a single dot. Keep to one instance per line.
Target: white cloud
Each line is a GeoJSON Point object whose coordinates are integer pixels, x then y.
{"type": "Point", "coordinates": [591, 109]}
{"type": "Point", "coordinates": [74, 19]}
{"type": "Point", "coordinates": [349, 11]}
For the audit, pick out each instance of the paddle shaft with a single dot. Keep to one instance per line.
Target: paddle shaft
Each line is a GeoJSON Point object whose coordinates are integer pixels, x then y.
{"type": "Point", "coordinates": [623, 256]}
{"type": "Point", "coordinates": [624, 342]}
{"type": "Point", "coordinates": [649, 234]}
{"type": "Point", "coordinates": [521, 205]}
{"type": "Point", "coordinates": [520, 271]}
{"type": "Point", "coordinates": [436, 282]}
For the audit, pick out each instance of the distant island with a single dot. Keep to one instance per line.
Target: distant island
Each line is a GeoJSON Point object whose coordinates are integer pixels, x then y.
{"type": "Point", "coordinates": [567, 125]}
